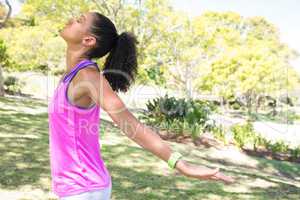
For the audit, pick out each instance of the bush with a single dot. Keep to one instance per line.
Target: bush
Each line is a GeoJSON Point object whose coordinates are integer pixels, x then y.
{"type": "Point", "coordinates": [179, 115]}
{"type": "Point", "coordinates": [12, 85]}
{"type": "Point", "coordinates": [279, 147]}
{"type": "Point", "coordinates": [295, 153]}
{"type": "Point", "coordinates": [219, 133]}
{"type": "Point", "coordinates": [260, 142]}
{"type": "Point", "coordinates": [244, 135]}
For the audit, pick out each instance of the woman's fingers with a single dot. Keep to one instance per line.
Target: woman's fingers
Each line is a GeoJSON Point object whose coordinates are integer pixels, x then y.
{"type": "Point", "coordinates": [222, 177]}
{"type": "Point", "coordinates": [207, 173]}
{"type": "Point", "coordinates": [201, 172]}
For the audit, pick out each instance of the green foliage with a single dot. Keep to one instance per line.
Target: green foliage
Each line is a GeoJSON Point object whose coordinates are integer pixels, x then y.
{"type": "Point", "coordinates": [56, 11]}
{"type": "Point", "coordinates": [12, 85]}
{"type": "Point", "coordinates": [179, 115]}
{"type": "Point", "coordinates": [220, 133]}
{"type": "Point", "coordinates": [295, 153]}
{"type": "Point", "coordinates": [279, 146]}
{"type": "Point", "coordinates": [156, 74]}
{"type": "Point", "coordinates": [219, 52]}
{"type": "Point", "coordinates": [4, 58]}
{"type": "Point", "coordinates": [243, 134]}
{"type": "Point", "coordinates": [33, 48]}
{"type": "Point", "coordinates": [261, 142]}
{"type": "Point", "coordinates": [16, 123]}
{"type": "Point", "coordinates": [34, 44]}
{"type": "Point", "coordinates": [245, 57]}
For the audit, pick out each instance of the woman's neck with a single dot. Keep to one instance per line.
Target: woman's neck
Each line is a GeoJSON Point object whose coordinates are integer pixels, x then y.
{"type": "Point", "coordinates": [73, 57]}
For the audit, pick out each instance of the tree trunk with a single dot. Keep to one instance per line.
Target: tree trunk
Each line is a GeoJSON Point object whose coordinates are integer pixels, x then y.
{"type": "Point", "coordinates": [2, 24]}
{"type": "Point", "coordinates": [249, 103]}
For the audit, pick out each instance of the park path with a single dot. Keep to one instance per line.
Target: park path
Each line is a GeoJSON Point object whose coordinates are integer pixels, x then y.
{"type": "Point", "coordinates": [289, 133]}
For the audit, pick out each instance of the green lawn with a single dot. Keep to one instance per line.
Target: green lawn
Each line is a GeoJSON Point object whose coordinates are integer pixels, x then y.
{"type": "Point", "coordinates": [136, 173]}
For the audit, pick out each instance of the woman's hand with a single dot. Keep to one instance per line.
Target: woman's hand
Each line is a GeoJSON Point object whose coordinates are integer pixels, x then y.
{"type": "Point", "coordinates": [201, 172]}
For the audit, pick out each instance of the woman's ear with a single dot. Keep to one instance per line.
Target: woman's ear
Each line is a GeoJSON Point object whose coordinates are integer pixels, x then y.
{"type": "Point", "coordinates": [89, 41]}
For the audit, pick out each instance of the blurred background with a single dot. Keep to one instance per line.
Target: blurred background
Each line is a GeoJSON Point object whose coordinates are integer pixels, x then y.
{"type": "Point", "coordinates": [218, 80]}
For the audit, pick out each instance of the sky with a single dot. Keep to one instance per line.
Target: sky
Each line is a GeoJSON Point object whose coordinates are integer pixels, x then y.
{"type": "Point", "coordinates": [285, 14]}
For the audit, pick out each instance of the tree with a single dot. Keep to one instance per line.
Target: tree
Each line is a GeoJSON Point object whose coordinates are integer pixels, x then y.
{"type": "Point", "coordinates": [250, 59]}
{"type": "Point", "coordinates": [2, 24]}
{"type": "Point", "coordinates": [143, 18]}
{"type": "Point", "coordinates": [181, 53]}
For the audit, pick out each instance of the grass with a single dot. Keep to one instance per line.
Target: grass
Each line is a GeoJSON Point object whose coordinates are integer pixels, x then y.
{"type": "Point", "coordinates": [136, 173]}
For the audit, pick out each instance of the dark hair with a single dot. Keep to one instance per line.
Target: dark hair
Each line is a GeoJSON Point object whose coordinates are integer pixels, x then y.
{"type": "Point", "coordinates": [120, 67]}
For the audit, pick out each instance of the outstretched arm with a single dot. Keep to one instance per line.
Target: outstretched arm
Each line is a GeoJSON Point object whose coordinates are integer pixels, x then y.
{"type": "Point", "coordinates": [101, 93]}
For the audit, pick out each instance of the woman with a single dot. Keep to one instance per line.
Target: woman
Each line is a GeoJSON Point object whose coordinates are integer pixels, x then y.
{"type": "Point", "coordinates": [77, 168]}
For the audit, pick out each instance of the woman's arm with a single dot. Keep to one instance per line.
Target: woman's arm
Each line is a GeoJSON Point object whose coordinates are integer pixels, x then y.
{"type": "Point", "coordinates": [101, 92]}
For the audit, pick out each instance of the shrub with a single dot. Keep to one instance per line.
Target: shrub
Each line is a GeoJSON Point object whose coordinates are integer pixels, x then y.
{"type": "Point", "coordinates": [295, 153]}
{"type": "Point", "coordinates": [12, 85]}
{"type": "Point", "coordinates": [244, 134]}
{"type": "Point", "coordinates": [219, 133]}
{"type": "Point", "coordinates": [279, 147]}
{"type": "Point", "coordinates": [260, 142]}
{"type": "Point", "coordinates": [179, 115]}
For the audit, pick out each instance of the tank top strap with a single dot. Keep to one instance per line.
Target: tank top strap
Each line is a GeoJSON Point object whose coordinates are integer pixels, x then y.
{"type": "Point", "coordinates": [78, 67]}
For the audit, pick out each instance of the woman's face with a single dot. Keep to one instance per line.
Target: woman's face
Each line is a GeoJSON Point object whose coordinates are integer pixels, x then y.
{"type": "Point", "coordinates": [77, 28]}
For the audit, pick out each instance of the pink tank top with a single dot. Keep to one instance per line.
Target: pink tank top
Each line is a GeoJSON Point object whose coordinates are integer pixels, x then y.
{"type": "Point", "coordinates": [75, 157]}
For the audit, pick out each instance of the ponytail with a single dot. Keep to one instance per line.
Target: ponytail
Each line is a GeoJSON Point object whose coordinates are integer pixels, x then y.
{"type": "Point", "coordinates": [120, 67]}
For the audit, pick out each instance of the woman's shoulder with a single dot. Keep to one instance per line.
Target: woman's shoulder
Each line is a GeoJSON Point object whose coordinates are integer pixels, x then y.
{"type": "Point", "coordinates": [90, 73]}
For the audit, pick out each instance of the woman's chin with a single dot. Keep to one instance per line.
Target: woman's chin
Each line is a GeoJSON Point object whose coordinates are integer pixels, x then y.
{"type": "Point", "coordinates": [62, 35]}
{"type": "Point", "coordinates": [61, 32]}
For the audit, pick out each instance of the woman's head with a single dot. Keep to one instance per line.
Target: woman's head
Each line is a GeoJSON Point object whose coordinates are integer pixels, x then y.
{"type": "Point", "coordinates": [76, 31]}
{"type": "Point", "coordinates": [98, 35]}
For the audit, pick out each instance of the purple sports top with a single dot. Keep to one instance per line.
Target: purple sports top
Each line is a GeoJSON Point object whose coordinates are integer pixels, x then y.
{"type": "Point", "coordinates": [75, 157]}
